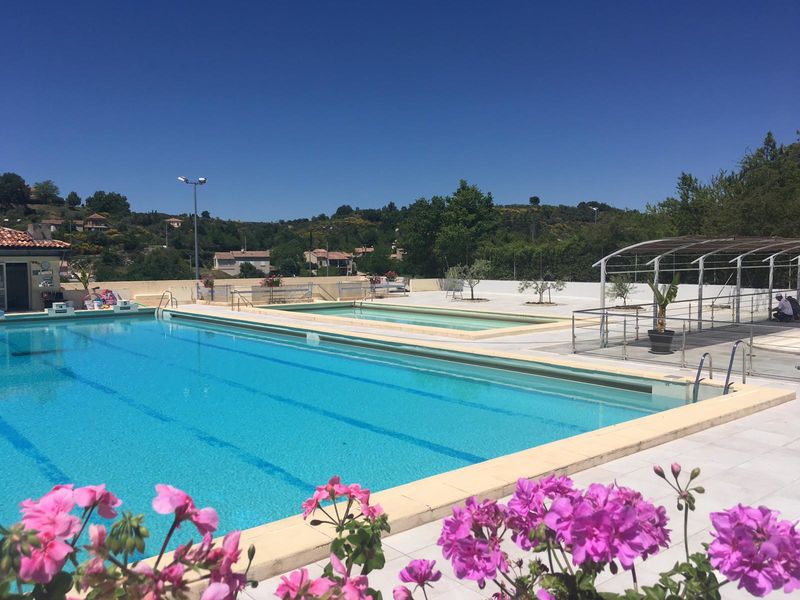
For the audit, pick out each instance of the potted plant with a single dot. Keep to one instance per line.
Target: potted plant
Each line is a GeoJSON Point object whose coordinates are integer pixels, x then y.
{"type": "Point", "coordinates": [661, 337]}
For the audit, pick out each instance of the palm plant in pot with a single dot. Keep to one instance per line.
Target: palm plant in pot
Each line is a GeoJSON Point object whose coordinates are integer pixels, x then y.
{"type": "Point", "coordinates": [661, 337]}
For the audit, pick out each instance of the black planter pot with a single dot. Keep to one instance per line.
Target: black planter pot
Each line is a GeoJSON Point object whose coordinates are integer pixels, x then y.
{"type": "Point", "coordinates": [661, 343]}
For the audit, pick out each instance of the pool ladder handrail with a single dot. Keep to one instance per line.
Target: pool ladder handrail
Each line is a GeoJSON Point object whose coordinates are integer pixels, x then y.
{"type": "Point", "coordinates": [239, 297]}
{"type": "Point", "coordinates": [171, 302]}
{"type": "Point", "coordinates": [728, 382]}
{"type": "Point", "coordinates": [698, 379]}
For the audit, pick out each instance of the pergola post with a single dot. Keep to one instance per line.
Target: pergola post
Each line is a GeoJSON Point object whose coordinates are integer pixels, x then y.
{"type": "Point", "coordinates": [603, 283]}
{"type": "Point", "coordinates": [700, 273]}
{"type": "Point", "coordinates": [738, 288]}
{"type": "Point", "coordinates": [798, 276]}
{"type": "Point", "coordinates": [771, 281]}
{"type": "Point", "coordinates": [656, 265]}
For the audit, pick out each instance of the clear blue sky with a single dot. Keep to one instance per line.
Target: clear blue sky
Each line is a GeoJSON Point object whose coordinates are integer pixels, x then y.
{"type": "Point", "coordinates": [293, 108]}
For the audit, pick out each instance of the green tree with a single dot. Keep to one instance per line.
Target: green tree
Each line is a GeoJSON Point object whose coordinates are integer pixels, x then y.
{"type": "Point", "coordinates": [468, 218]}
{"type": "Point", "coordinates": [13, 191]}
{"type": "Point", "coordinates": [108, 202]}
{"type": "Point", "coordinates": [160, 263]}
{"type": "Point", "coordinates": [418, 233]}
{"type": "Point", "coordinates": [249, 271]}
{"type": "Point", "coordinates": [46, 192]}
{"type": "Point", "coordinates": [475, 273]}
{"type": "Point", "coordinates": [73, 200]}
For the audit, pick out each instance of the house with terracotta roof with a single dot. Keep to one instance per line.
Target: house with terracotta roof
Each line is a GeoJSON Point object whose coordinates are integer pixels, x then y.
{"type": "Point", "coordinates": [231, 262]}
{"type": "Point", "coordinates": [333, 262]}
{"type": "Point", "coordinates": [174, 222]}
{"type": "Point", "coordinates": [95, 222]}
{"type": "Point", "coordinates": [29, 268]}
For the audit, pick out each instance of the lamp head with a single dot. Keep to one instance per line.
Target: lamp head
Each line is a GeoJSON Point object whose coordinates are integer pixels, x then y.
{"type": "Point", "coordinates": [183, 179]}
{"type": "Point", "coordinates": [202, 180]}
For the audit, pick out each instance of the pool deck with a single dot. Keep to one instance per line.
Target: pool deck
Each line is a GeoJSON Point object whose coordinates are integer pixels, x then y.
{"type": "Point", "coordinates": [748, 446]}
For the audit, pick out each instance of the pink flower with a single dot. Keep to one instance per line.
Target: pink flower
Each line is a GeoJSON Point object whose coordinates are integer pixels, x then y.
{"type": "Point", "coordinates": [299, 586]}
{"type": "Point", "coordinates": [226, 557]}
{"type": "Point", "coordinates": [45, 561]}
{"type": "Point", "coordinates": [335, 490]}
{"type": "Point", "coordinates": [98, 496]}
{"type": "Point", "coordinates": [607, 523]}
{"type": "Point", "coordinates": [676, 469]}
{"type": "Point", "coordinates": [401, 592]}
{"type": "Point", "coordinates": [421, 572]}
{"type": "Point", "coordinates": [544, 595]}
{"type": "Point", "coordinates": [371, 512]}
{"type": "Point", "coordinates": [471, 540]}
{"type": "Point", "coordinates": [50, 515]}
{"type": "Point", "coordinates": [530, 503]}
{"type": "Point", "coordinates": [170, 499]}
{"type": "Point", "coordinates": [753, 547]}
{"type": "Point", "coordinates": [216, 591]}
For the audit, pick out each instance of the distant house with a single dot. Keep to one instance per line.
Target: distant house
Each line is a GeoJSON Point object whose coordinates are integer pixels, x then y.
{"type": "Point", "coordinates": [231, 262]}
{"type": "Point", "coordinates": [323, 262]}
{"type": "Point", "coordinates": [52, 224]}
{"type": "Point", "coordinates": [95, 222]}
{"type": "Point", "coordinates": [174, 222]}
{"type": "Point", "coordinates": [29, 273]}
{"type": "Point", "coordinates": [362, 250]}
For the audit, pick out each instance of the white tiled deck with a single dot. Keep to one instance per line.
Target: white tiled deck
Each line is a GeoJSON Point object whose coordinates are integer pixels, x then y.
{"type": "Point", "coordinates": [754, 460]}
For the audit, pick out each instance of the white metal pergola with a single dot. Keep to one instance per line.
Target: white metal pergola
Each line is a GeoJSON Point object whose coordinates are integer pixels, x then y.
{"type": "Point", "coordinates": [695, 251]}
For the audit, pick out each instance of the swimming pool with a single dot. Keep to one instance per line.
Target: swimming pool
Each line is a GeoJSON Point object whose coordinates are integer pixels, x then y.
{"type": "Point", "coordinates": [249, 422]}
{"type": "Point", "coordinates": [461, 320]}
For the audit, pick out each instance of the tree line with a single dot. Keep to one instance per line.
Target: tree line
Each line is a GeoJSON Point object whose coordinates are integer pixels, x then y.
{"type": "Point", "coordinates": [534, 240]}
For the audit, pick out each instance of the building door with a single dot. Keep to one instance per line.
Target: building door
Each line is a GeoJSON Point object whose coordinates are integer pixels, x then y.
{"type": "Point", "coordinates": [18, 287]}
{"type": "Point", "coordinates": [2, 286]}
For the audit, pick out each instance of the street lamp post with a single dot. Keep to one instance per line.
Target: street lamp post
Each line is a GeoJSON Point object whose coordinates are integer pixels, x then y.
{"type": "Point", "coordinates": [595, 209]}
{"type": "Point", "coordinates": [200, 181]}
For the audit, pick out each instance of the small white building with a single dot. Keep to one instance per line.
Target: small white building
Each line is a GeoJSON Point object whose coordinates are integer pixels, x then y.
{"type": "Point", "coordinates": [29, 269]}
{"type": "Point", "coordinates": [231, 262]}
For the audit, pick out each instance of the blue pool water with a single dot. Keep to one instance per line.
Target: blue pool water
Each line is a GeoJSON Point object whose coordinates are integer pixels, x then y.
{"type": "Point", "coordinates": [250, 422]}
{"type": "Point", "coordinates": [461, 320]}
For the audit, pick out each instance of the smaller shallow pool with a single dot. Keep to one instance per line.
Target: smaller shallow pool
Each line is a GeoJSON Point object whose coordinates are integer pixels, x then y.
{"type": "Point", "coordinates": [463, 320]}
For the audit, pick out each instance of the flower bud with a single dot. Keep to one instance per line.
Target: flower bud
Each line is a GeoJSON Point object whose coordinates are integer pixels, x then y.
{"type": "Point", "coordinates": [251, 552]}
{"type": "Point", "coordinates": [700, 489]}
{"type": "Point", "coordinates": [658, 471]}
{"type": "Point", "coordinates": [695, 473]}
{"type": "Point", "coordinates": [676, 469]}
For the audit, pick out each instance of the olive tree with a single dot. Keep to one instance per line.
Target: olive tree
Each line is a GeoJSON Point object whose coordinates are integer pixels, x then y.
{"type": "Point", "coordinates": [542, 287]}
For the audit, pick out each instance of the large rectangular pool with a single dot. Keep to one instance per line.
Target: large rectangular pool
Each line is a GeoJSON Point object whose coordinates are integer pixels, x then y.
{"type": "Point", "coordinates": [249, 422]}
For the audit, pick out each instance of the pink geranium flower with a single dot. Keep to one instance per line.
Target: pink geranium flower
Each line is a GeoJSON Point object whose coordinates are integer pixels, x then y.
{"type": "Point", "coordinates": [755, 548]}
{"type": "Point", "coordinates": [299, 586]}
{"type": "Point", "coordinates": [421, 572]}
{"type": "Point", "coordinates": [99, 497]}
{"type": "Point", "coordinates": [216, 591]}
{"type": "Point", "coordinates": [45, 561]}
{"type": "Point", "coordinates": [170, 499]}
{"type": "Point", "coordinates": [50, 515]}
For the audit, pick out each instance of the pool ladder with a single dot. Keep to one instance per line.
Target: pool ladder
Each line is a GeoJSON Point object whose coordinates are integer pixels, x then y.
{"type": "Point", "coordinates": [698, 379]}
{"type": "Point", "coordinates": [167, 300]}
{"type": "Point", "coordinates": [736, 344]}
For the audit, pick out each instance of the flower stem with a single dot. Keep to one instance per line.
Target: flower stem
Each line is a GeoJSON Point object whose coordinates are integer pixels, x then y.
{"type": "Point", "coordinates": [686, 530]}
{"type": "Point", "coordinates": [172, 529]}
{"type": "Point", "coordinates": [635, 581]}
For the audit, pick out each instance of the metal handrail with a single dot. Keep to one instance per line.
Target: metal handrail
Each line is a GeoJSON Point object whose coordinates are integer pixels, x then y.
{"type": "Point", "coordinates": [728, 382]}
{"type": "Point", "coordinates": [239, 297]}
{"type": "Point", "coordinates": [172, 302]}
{"type": "Point", "coordinates": [697, 378]}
